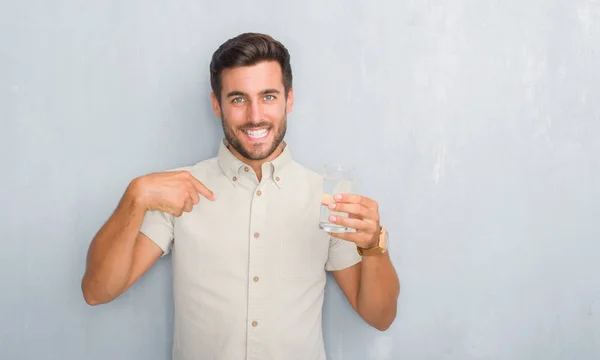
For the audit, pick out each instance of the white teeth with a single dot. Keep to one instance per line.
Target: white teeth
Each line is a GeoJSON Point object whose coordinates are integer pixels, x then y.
{"type": "Point", "coordinates": [256, 134]}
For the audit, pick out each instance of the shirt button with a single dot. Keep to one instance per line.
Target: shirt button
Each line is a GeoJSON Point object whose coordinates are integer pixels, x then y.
{"type": "Point", "coordinates": [246, 169]}
{"type": "Point", "coordinates": [256, 235]}
{"type": "Point", "coordinates": [234, 178]}
{"type": "Point", "coordinates": [259, 193]}
{"type": "Point", "coordinates": [277, 178]}
{"type": "Point", "coordinates": [255, 279]}
{"type": "Point", "coordinates": [254, 323]}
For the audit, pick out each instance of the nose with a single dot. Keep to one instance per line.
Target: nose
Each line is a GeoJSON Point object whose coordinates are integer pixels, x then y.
{"type": "Point", "coordinates": [255, 112]}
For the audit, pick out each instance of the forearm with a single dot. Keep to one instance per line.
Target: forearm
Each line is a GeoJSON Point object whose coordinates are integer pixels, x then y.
{"type": "Point", "coordinates": [110, 255]}
{"type": "Point", "coordinates": [378, 291]}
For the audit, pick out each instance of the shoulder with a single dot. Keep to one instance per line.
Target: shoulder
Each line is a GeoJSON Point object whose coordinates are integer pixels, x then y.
{"type": "Point", "coordinates": [200, 169]}
{"type": "Point", "coordinates": [303, 173]}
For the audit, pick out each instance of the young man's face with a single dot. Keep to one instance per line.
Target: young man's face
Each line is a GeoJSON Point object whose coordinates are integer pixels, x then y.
{"type": "Point", "coordinates": [253, 108]}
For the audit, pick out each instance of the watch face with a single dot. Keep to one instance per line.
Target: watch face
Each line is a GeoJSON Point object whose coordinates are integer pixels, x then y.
{"type": "Point", "coordinates": [384, 240]}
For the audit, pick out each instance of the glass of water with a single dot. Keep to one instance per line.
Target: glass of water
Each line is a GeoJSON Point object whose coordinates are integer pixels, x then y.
{"type": "Point", "coordinates": [336, 179]}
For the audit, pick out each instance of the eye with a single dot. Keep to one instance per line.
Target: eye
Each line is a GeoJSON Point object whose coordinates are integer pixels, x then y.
{"type": "Point", "coordinates": [238, 100]}
{"type": "Point", "coordinates": [269, 97]}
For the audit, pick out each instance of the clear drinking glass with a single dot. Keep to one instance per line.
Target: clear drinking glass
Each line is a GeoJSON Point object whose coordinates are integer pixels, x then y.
{"type": "Point", "coordinates": [336, 179]}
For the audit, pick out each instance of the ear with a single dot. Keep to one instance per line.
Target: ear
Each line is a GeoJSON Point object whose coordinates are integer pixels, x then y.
{"type": "Point", "coordinates": [215, 105]}
{"type": "Point", "coordinates": [290, 101]}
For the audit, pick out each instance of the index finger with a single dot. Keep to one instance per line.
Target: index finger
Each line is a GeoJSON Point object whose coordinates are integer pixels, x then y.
{"type": "Point", "coordinates": [202, 189]}
{"type": "Point", "coordinates": [355, 199]}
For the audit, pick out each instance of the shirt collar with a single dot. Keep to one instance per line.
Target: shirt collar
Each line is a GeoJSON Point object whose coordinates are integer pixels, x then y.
{"type": "Point", "coordinates": [232, 166]}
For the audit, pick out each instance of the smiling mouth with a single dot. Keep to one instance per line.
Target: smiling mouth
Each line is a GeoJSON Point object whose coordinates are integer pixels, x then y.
{"type": "Point", "coordinates": [256, 134]}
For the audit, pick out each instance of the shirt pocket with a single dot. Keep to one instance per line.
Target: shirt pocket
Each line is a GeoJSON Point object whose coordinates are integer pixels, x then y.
{"type": "Point", "coordinates": [303, 248]}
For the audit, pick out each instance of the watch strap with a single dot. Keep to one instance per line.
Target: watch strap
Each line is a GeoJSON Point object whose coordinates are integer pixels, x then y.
{"type": "Point", "coordinates": [379, 249]}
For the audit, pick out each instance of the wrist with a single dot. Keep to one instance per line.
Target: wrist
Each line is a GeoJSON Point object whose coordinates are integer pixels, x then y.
{"type": "Point", "coordinates": [134, 195]}
{"type": "Point", "coordinates": [380, 245]}
{"type": "Point", "coordinates": [373, 243]}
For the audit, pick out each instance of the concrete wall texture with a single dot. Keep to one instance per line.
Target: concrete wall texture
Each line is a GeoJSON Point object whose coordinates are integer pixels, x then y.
{"type": "Point", "coordinates": [473, 123]}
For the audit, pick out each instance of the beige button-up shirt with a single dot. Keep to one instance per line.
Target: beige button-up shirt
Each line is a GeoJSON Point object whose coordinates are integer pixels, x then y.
{"type": "Point", "coordinates": [249, 268]}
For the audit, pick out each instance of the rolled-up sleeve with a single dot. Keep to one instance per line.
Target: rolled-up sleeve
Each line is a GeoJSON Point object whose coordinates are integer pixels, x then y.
{"type": "Point", "coordinates": [342, 254]}
{"type": "Point", "coordinates": [158, 227]}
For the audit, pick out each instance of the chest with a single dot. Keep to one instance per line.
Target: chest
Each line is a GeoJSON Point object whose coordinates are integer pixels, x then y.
{"type": "Point", "coordinates": [266, 229]}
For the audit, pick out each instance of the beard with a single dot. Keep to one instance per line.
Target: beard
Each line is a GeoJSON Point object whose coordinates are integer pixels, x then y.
{"type": "Point", "coordinates": [252, 153]}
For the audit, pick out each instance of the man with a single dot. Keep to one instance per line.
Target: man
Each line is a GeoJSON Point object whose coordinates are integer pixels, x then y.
{"type": "Point", "coordinates": [249, 259]}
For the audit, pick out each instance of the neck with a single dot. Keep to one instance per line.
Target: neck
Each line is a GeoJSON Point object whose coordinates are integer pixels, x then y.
{"type": "Point", "coordinates": [256, 165]}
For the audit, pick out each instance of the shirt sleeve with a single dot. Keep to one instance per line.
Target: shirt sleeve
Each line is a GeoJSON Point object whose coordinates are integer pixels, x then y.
{"type": "Point", "coordinates": [158, 226]}
{"type": "Point", "coordinates": [342, 254]}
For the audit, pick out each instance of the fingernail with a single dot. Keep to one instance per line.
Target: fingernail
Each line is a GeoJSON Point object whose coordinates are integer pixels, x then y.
{"type": "Point", "coordinates": [337, 196]}
{"type": "Point", "coordinates": [332, 206]}
{"type": "Point", "coordinates": [332, 218]}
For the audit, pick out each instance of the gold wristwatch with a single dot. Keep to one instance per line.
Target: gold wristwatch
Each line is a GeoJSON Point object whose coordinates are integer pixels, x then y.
{"type": "Point", "coordinates": [380, 248]}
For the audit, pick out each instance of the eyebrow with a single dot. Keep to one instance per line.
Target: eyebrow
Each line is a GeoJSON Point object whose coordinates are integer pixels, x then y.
{"type": "Point", "coordinates": [264, 92]}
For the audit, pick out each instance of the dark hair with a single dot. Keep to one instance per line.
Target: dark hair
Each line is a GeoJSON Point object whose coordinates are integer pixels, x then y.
{"type": "Point", "coordinates": [246, 50]}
